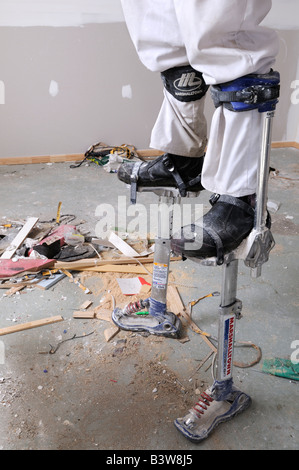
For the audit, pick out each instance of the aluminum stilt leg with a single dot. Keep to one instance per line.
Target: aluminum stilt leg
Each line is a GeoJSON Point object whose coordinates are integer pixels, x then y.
{"type": "Point", "coordinates": [155, 318]}
{"type": "Point", "coordinates": [223, 400]}
{"type": "Point", "coordinates": [260, 241]}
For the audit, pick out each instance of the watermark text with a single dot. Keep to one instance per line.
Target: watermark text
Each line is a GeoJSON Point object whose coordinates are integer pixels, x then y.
{"type": "Point", "coordinates": [155, 219]}
{"type": "Point", "coordinates": [295, 354]}
{"type": "Point", "coordinates": [295, 93]}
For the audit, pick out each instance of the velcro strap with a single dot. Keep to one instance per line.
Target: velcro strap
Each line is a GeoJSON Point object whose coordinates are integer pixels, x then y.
{"type": "Point", "coordinates": [194, 181]}
{"type": "Point", "coordinates": [250, 95]}
{"type": "Point", "coordinates": [217, 240]}
{"type": "Point", "coordinates": [218, 243]}
{"type": "Point", "coordinates": [175, 174]}
{"type": "Point", "coordinates": [236, 202]}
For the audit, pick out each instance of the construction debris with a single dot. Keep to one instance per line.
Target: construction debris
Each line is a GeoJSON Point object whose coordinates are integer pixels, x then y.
{"type": "Point", "coordinates": [110, 332]}
{"type": "Point", "coordinates": [281, 367]}
{"type": "Point", "coordinates": [37, 254]}
{"type": "Point", "coordinates": [29, 325]}
{"type": "Point", "coordinates": [20, 237]}
{"type": "Point", "coordinates": [84, 314]}
{"type": "Point", "coordinates": [42, 254]}
{"type": "Point", "coordinates": [49, 282]}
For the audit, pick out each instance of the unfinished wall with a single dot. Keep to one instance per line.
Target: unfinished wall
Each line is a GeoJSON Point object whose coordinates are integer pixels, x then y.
{"type": "Point", "coordinates": [284, 18]}
{"type": "Point", "coordinates": [69, 77]}
{"type": "Point", "coordinates": [67, 88]}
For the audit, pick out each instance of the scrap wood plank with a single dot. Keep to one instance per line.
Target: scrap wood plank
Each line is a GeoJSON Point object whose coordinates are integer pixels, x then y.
{"type": "Point", "coordinates": [196, 329]}
{"type": "Point", "coordinates": [121, 245]}
{"type": "Point", "coordinates": [13, 290]}
{"type": "Point", "coordinates": [118, 269]}
{"type": "Point", "coordinates": [32, 324]}
{"type": "Point", "coordinates": [178, 308]}
{"type": "Point", "coordinates": [109, 333]}
{"type": "Point", "coordinates": [104, 314]}
{"type": "Point", "coordinates": [85, 305]}
{"type": "Point", "coordinates": [84, 314]}
{"type": "Point", "coordinates": [92, 262]}
{"type": "Point", "coordinates": [99, 313]}
{"type": "Point", "coordinates": [19, 238]}
{"type": "Point", "coordinates": [9, 285]}
{"type": "Point", "coordinates": [175, 301]}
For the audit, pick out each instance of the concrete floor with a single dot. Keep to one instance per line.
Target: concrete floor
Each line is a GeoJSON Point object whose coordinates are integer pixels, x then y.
{"type": "Point", "coordinates": [125, 394]}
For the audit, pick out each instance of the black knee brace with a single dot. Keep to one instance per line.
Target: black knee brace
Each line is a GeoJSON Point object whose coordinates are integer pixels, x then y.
{"type": "Point", "coordinates": [184, 83]}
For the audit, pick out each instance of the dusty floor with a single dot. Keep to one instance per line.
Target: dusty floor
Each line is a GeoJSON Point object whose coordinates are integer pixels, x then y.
{"type": "Point", "coordinates": [63, 386]}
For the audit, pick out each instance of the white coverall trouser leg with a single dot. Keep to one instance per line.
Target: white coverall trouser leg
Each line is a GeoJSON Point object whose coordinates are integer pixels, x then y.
{"type": "Point", "coordinates": [222, 39]}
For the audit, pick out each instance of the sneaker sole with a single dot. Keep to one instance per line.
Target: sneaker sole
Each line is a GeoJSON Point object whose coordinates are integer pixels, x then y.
{"type": "Point", "coordinates": [221, 419]}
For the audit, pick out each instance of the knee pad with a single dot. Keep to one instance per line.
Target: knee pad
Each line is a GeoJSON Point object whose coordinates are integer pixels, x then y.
{"type": "Point", "coordinates": [184, 83]}
{"type": "Point", "coordinates": [253, 91]}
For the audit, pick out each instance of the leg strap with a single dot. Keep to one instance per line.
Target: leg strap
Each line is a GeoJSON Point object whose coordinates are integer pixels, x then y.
{"type": "Point", "coordinates": [253, 91]}
{"type": "Point", "coordinates": [182, 187]}
{"type": "Point", "coordinates": [218, 243]}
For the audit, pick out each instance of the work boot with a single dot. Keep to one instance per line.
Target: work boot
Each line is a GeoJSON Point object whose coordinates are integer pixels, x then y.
{"type": "Point", "coordinates": [208, 412]}
{"type": "Point", "coordinates": [219, 231]}
{"type": "Point", "coordinates": [167, 170]}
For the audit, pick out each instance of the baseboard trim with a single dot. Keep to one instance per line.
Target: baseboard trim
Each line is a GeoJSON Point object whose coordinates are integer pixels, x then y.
{"type": "Point", "coordinates": [41, 159]}
{"type": "Point", "coordinates": [145, 154]}
{"type": "Point", "coordinates": [277, 145]}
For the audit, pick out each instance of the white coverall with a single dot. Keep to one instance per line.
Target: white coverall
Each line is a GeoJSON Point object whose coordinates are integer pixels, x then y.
{"type": "Point", "coordinates": [222, 39]}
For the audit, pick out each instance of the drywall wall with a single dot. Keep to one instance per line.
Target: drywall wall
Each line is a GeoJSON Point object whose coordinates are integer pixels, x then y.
{"type": "Point", "coordinates": [69, 76]}
{"type": "Point", "coordinates": [284, 18]}
{"type": "Point", "coordinates": [67, 88]}
{"type": "Point", "coordinates": [59, 13]}
{"type": "Point", "coordinates": [283, 15]}
{"type": "Point", "coordinates": [286, 123]}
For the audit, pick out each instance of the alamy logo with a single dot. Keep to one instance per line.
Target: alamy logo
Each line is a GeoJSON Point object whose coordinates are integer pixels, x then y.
{"type": "Point", "coordinates": [154, 219]}
{"type": "Point", "coordinates": [295, 354]}
{"type": "Point", "coordinates": [188, 80]}
{"type": "Point", "coordinates": [295, 93]}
